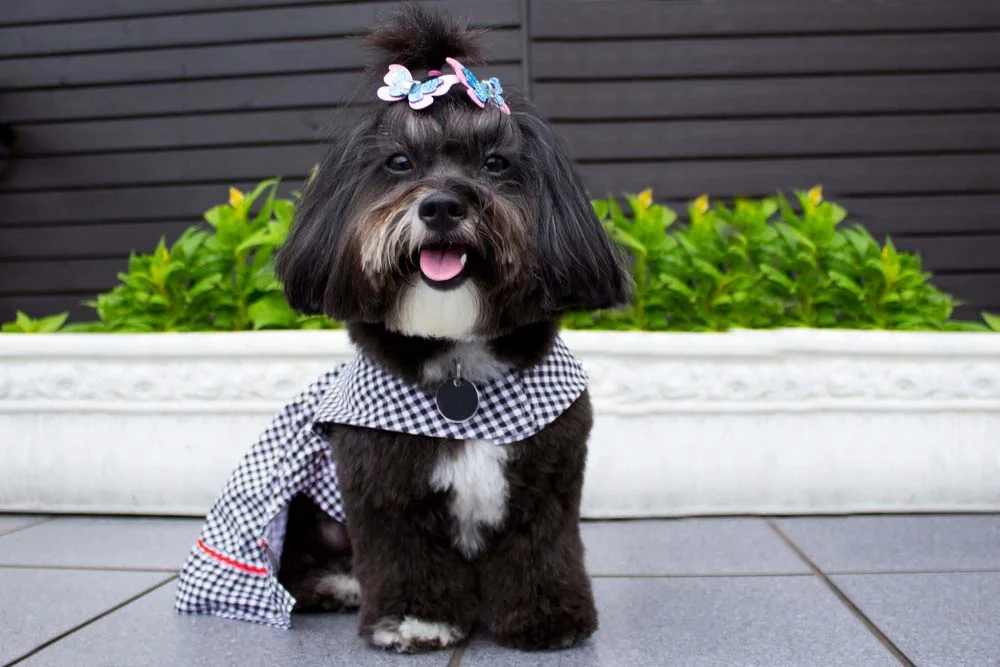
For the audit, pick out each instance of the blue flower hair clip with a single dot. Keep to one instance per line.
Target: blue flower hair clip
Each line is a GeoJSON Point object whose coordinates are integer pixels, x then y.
{"type": "Point", "coordinates": [481, 92]}
{"type": "Point", "coordinates": [400, 84]}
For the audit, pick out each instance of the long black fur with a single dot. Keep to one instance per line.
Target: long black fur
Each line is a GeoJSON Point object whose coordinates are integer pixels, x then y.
{"type": "Point", "coordinates": [538, 251]}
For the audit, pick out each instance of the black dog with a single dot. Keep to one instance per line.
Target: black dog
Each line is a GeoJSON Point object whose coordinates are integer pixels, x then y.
{"type": "Point", "coordinates": [450, 237]}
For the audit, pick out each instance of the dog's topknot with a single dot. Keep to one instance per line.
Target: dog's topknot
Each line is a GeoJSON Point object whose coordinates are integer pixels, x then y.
{"type": "Point", "coordinates": [419, 38]}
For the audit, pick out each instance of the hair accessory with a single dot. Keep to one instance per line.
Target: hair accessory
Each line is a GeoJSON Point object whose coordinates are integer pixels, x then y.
{"type": "Point", "coordinates": [419, 94]}
{"type": "Point", "coordinates": [481, 92]}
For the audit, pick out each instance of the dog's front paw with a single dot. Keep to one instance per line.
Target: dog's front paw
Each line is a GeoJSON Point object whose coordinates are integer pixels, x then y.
{"type": "Point", "coordinates": [413, 635]}
{"type": "Point", "coordinates": [329, 592]}
{"type": "Point", "coordinates": [339, 591]}
{"type": "Point", "coordinates": [540, 630]}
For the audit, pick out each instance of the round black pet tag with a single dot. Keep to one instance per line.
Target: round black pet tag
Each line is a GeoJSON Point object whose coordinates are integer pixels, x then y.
{"type": "Point", "coordinates": [458, 400]}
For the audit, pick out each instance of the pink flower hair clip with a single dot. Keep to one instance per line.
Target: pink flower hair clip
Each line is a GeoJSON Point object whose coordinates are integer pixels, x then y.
{"type": "Point", "coordinates": [400, 84]}
{"type": "Point", "coordinates": [481, 92]}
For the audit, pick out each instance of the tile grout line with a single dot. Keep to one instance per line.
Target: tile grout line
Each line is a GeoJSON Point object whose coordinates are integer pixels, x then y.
{"type": "Point", "coordinates": [846, 601]}
{"type": "Point", "coordinates": [758, 575]}
{"type": "Point", "coordinates": [704, 575]}
{"type": "Point", "coordinates": [89, 621]}
{"type": "Point", "coordinates": [881, 573]}
{"type": "Point", "coordinates": [30, 525]}
{"type": "Point", "coordinates": [87, 568]}
{"type": "Point", "coordinates": [456, 657]}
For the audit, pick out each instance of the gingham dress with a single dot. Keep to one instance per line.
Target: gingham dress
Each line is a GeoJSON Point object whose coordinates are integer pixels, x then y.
{"type": "Point", "coordinates": [231, 570]}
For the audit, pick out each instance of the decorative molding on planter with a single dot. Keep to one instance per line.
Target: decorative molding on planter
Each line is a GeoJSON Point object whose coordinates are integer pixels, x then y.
{"type": "Point", "coordinates": [630, 373]}
{"type": "Point", "coordinates": [748, 421]}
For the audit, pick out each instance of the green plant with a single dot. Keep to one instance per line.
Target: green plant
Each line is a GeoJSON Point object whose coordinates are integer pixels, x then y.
{"type": "Point", "coordinates": [762, 264]}
{"type": "Point", "coordinates": [754, 264]}
{"type": "Point", "coordinates": [24, 324]}
{"type": "Point", "coordinates": [217, 279]}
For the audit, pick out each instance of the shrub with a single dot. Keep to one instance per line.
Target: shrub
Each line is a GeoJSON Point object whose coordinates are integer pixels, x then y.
{"type": "Point", "coordinates": [755, 264]}
{"type": "Point", "coordinates": [218, 279]}
{"type": "Point", "coordinates": [762, 264]}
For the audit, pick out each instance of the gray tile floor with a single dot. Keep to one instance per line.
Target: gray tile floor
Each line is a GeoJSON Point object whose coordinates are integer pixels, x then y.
{"type": "Point", "coordinates": [804, 592]}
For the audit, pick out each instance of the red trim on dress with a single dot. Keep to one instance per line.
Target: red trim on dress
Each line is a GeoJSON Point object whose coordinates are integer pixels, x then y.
{"type": "Point", "coordinates": [229, 561]}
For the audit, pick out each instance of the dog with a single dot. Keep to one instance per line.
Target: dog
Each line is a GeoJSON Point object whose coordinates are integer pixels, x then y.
{"type": "Point", "coordinates": [449, 231]}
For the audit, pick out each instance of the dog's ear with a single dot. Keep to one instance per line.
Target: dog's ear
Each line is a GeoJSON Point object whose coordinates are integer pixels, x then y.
{"type": "Point", "coordinates": [580, 267]}
{"type": "Point", "coordinates": [318, 263]}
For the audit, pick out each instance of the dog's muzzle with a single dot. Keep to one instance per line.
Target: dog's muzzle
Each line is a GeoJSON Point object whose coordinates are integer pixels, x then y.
{"type": "Point", "coordinates": [443, 257]}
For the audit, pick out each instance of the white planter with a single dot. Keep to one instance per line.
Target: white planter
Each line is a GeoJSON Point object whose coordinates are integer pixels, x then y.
{"type": "Point", "coordinates": [791, 421]}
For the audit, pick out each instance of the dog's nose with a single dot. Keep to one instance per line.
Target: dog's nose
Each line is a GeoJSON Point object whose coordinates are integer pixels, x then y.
{"type": "Point", "coordinates": [441, 212]}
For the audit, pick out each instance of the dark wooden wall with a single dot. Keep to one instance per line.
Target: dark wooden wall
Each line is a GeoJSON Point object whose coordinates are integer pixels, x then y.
{"type": "Point", "coordinates": [133, 116]}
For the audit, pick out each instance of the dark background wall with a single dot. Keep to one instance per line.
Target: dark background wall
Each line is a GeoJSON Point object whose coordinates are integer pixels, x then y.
{"type": "Point", "coordinates": [134, 116]}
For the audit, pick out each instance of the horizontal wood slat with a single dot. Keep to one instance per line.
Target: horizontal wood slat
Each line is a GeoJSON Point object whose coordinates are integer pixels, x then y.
{"type": "Point", "coordinates": [184, 166]}
{"type": "Point", "coordinates": [264, 23]}
{"type": "Point", "coordinates": [854, 175]}
{"type": "Point", "coordinates": [126, 204]}
{"type": "Point", "coordinates": [190, 63]}
{"type": "Point", "coordinates": [975, 252]}
{"type": "Point", "coordinates": [75, 275]}
{"type": "Point", "coordinates": [770, 56]}
{"type": "Point", "coordinates": [588, 141]}
{"type": "Point", "coordinates": [86, 241]}
{"type": "Point", "coordinates": [642, 18]}
{"type": "Point", "coordinates": [924, 215]}
{"type": "Point", "coordinates": [74, 10]}
{"type": "Point", "coordinates": [981, 291]}
{"type": "Point", "coordinates": [846, 176]}
{"type": "Point", "coordinates": [261, 127]}
{"type": "Point", "coordinates": [769, 96]}
{"type": "Point", "coordinates": [195, 96]}
{"type": "Point", "coordinates": [797, 136]}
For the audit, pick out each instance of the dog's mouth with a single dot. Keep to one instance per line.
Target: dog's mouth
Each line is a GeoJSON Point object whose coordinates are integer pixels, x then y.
{"type": "Point", "coordinates": [443, 265]}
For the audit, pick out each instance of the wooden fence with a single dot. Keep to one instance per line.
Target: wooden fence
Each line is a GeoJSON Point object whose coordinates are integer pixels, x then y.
{"type": "Point", "coordinates": [134, 116]}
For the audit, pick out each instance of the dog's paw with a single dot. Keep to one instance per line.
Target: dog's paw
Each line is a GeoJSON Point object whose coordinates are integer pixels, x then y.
{"type": "Point", "coordinates": [414, 635]}
{"type": "Point", "coordinates": [339, 591]}
{"type": "Point", "coordinates": [329, 592]}
{"type": "Point", "coordinates": [544, 632]}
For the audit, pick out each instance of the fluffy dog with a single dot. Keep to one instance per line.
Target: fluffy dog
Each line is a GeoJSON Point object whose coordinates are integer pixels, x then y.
{"type": "Point", "coordinates": [449, 238]}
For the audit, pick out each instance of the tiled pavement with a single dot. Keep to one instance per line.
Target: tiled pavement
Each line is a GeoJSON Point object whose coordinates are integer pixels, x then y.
{"type": "Point", "coordinates": [808, 592]}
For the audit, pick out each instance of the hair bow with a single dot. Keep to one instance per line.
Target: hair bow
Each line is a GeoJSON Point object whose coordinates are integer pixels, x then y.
{"type": "Point", "coordinates": [481, 92]}
{"type": "Point", "coordinates": [400, 84]}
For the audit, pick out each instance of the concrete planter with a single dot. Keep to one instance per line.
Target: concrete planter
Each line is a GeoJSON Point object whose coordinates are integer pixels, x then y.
{"type": "Point", "coordinates": [788, 421]}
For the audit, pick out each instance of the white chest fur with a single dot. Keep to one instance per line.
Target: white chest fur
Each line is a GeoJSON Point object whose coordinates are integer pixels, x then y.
{"type": "Point", "coordinates": [475, 476]}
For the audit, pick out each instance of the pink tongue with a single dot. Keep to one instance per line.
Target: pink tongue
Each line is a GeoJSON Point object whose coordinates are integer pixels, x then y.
{"type": "Point", "coordinates": [440, 265]}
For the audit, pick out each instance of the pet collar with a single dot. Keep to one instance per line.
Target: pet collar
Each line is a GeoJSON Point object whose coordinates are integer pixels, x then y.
{"type": "Point", "coordinates": [231, 570]}
{"type": "Point", "coordinates": [511, 408]}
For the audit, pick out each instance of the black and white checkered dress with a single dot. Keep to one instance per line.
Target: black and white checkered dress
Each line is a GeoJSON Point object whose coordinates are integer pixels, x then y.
{"type": "Point", "coordinates": [231, 570]}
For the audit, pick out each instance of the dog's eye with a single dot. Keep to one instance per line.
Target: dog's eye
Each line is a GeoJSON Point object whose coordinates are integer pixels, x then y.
{"type": "Point", "coordinates": [495, 164]}
{"type": "Point", "coordinates": [398, 164]}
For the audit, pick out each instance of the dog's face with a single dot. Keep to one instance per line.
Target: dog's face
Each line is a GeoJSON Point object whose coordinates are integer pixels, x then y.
{"type": "Point", "coordinates": [452, 222]}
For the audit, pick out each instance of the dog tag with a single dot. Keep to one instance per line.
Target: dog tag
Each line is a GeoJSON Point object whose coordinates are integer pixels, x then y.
{"type": "Point", "coordinates": [458, 400]}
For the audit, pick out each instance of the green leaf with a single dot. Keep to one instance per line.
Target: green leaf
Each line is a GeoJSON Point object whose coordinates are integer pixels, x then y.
{"type": "Point", "coordinates": [272, 312]}
{"type": "Point", "coordinates": [52, 323]}
{"type": "Point", "coordinates": [992, 321]}
{"type": "Point", "coordinates": [600, 208]}
{"type": "Point", "coordinates": [85, 327]}
{"type": "Point", "coordinates": [24, 324]}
